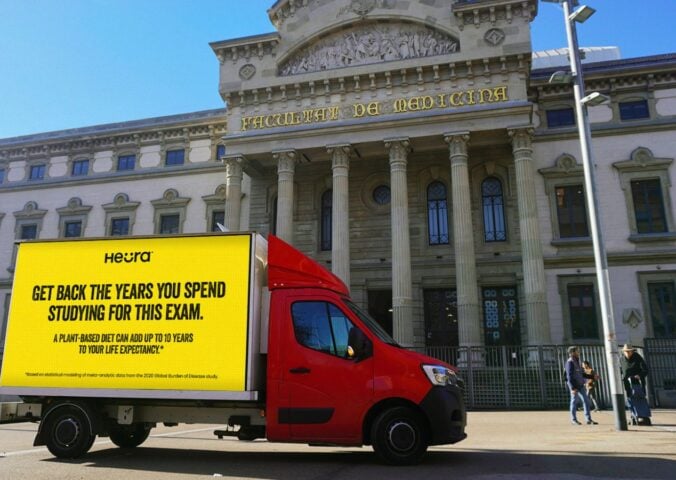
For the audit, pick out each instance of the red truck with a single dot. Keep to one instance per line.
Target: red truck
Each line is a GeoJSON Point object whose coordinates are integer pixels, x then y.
{"type": "Point", "coordinates": [229, 329]}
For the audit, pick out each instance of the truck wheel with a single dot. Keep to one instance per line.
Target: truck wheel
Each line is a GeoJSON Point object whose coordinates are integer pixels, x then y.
{"type": "Point", "coordinates": [129, 437]}
{"type": "Point", "coordinates": [399, 436]}
{"type": "Point", "coordinates": [68, 432]}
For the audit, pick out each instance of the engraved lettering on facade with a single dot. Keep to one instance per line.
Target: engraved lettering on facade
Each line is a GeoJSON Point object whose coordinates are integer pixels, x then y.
{"type": "Point", "coordinates": [372, 109]}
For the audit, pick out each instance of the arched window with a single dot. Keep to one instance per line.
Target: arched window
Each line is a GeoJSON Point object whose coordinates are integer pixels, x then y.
{"type": "Point", "coordinates": [437, 214]}
{"type": "Point", "coordinates": [494, 211]}
{"type": "Point", "coordinates": [326, 219]}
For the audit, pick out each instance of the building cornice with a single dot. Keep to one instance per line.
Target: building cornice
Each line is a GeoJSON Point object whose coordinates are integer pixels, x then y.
{"type": "Point", "coordinates": [246, 47]}
{"type": "Point", "coordinates": [493, 11]}
{"type": "Point", "coordinates": [368, 80]}
{"type": "Point", "coordinates": [136, 133]}
{"type": "Point", "coordinates": [120, 127]}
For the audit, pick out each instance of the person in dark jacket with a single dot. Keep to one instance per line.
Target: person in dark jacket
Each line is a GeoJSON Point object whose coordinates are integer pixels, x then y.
{"type": "Point", "coordinates": [575, 380]}
{"type": "Point", "coordinates": [633, 367]}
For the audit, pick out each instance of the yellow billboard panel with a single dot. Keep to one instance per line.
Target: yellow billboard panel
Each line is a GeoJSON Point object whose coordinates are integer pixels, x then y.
{"type": "Point", "coordinates": [136, 313]}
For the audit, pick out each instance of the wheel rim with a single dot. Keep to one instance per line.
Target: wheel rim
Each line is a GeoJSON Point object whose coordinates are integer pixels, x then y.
{"type": "Point", "coordinates": [402, 436]}
{"type": "Point", "coordinates": [66, 432]}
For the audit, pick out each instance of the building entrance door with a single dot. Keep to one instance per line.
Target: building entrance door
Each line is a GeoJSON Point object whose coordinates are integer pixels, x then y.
{"type": "Point", "coordinates": [501, 316]}
{"type": "Point", "coordinates": [380, 308]}
{"type": "Point", "coordinates": [441, 317]}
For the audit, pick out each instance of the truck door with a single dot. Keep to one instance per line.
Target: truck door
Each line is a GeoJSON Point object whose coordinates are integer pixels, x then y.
{"type": "Point", "coordinates": [328, 391]}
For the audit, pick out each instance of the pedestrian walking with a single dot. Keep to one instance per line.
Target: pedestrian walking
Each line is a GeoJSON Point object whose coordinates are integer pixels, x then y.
{"type": "Point", "coordinates": [575, 380]}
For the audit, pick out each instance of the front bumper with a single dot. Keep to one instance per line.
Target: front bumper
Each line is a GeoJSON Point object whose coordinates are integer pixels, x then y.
{"type": "Point", "coordinates": [444, 408]}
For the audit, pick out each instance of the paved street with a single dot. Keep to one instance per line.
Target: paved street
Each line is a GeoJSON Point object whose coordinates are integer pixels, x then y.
{"type": "Point", "coordinates": [501, 445]}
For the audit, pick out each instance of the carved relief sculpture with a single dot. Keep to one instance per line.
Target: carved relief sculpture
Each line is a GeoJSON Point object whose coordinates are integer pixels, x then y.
{"type": "Point", "coordinates": [368, 44]}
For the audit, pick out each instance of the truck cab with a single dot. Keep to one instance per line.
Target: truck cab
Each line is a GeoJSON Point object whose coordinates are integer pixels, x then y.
{"type": "Point", "coordinates": [336, 377]}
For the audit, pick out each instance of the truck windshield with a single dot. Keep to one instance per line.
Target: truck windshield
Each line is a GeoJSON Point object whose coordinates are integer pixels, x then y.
{"type": "Point", "coordinates": [371, 324]}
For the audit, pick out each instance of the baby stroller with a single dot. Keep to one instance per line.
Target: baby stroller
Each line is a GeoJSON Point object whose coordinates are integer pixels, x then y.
{"type": "Point", "coordinates": [638, 404]}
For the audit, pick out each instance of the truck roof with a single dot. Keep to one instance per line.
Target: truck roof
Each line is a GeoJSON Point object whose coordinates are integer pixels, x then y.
{"type": "Point", "coordinates": [290, 268]}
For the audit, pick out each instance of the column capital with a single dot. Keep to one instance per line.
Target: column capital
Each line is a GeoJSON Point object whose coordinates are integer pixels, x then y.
{"type": "Point", "coordinates": [457, 143]}
{"type": "Point", "coordinates": [457, 137]}
{"type": "Point", "coordinates": [340, 154]}
{"type": "Point", "coordinates": [234, 165]}
{"type": "Point", "coordinates": [286, 160]}
{"type": "Point", "coordinates": [522, 137]}
{"type": "Point", "coordinates": [398, 148]}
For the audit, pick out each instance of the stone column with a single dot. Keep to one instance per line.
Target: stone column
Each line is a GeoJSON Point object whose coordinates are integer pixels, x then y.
{"type": "Point", "coordinates": [469, 331]}
{"type": "Point", "coordinates": [286, 167]}
{"type": "Point", "coordinates": [537, 318]}
{"type": "Point", "coordinates": [340, 222]}
{"type": "Point", "coordinates": [233, 191]}
{"type": "Point", "coordinates": [402, 296]}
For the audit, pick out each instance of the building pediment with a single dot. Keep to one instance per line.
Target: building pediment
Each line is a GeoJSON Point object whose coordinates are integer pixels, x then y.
{"type": "Point", "coordinates": [368, 43]}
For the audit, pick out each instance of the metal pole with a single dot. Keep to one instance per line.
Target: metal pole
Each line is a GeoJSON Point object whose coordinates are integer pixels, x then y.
{"type": "Point", "coordinates": [602, 277]}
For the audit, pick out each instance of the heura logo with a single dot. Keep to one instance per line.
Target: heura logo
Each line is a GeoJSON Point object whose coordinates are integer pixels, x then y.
{"type": "Point", "coordinates": [126, 257]}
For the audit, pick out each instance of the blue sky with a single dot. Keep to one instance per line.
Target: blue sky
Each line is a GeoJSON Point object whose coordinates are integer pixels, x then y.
{"type": "Point", "coordinates": [75, 63]}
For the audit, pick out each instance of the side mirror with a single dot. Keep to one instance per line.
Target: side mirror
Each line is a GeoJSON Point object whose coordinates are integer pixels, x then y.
{"type": "Point", "coordinates": [359, 347]}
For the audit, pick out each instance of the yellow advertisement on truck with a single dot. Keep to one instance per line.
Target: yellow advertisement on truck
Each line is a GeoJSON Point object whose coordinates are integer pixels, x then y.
{"type": "Point", "coordinates": [135, 313]}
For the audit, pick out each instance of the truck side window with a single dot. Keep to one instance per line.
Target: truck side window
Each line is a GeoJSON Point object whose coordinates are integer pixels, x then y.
{"type": "Point", "coordinates": [321, 326]}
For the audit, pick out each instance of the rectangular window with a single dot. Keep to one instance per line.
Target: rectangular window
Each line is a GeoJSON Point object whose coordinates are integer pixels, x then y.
{"type": "Point", "coordinates": [119, 227]}
{"type": "Point", "coordinates": [126, 162]}
{"type": "Point", "coordinates": [80, 168]}
{"type": "Point", "coordinates": [29, 231]}
{"type": "Point", "coordinates": [217, 216]}
{"type": "Point", "coordinates": [169, 223]}
{"type": "Point", "coordinates": [582, 309]}
{"type": "Point", "coordinates": [662, 297]}
{"type": "Point", "coordinates": [220, 151]}
{"type": "Point", "coordinates": [72, 229]}
{"type": "Point", "coordinates": [648, 206]}
{"type": "Point", "coordinates": [2, 175]}
{"type": "Point", "coordinates": [634, 110]}
{"type": "Point", "coordinates": [560, 117]}
{"type": "Point", "coordinates": [175, 157]}
{"type": "Point", "coordinates": [37, 172]}
{"type": "Point", "coordinates": [571, 211]}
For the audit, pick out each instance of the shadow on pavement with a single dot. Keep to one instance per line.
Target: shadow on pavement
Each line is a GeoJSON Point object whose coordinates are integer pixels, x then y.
{"type": "Point", "coordinates": [356, 464]}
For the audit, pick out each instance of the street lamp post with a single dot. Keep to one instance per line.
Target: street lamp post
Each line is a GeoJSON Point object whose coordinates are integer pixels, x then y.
{"type": "Point", "coordinates": [600, 259]}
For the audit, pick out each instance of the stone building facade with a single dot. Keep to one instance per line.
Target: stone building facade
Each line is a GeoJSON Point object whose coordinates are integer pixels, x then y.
{"type": "Point", "coordinates": [412, 149]}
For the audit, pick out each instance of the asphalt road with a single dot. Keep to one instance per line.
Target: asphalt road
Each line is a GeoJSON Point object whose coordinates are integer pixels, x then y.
{"type": "Point", "coordinates": [501, 445]}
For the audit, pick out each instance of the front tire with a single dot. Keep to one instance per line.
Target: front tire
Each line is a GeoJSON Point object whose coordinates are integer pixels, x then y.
{"type": "Point", "coordinates": [68, 432]}
{"type": "Point", "coordinates": [399, 436]}
{"type": "Point", "coordinates": [129, 437]}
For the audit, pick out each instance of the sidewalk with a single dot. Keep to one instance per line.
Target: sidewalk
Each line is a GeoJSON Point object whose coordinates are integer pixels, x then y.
{"type": "Point", "coordinates": [545, 443]}
{"type": "Point", "coordinates": [540, 431]}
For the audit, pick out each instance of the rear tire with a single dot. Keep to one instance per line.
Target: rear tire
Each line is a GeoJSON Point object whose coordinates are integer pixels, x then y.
{"type": "Point", "coordinates": [399, 436]}
{"type": "Point", "coordinates": [129, 436]}
{"type": "Point", "coordinates": [68, 432]}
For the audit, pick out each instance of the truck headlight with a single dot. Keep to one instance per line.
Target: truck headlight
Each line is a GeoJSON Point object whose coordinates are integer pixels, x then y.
{"type": "Point", "coordinates": [440, 375]}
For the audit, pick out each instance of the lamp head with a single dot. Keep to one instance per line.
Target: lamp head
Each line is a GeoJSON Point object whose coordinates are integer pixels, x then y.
{"type": "Point", "coordinates": [575, 2]}
{"type": "Point", "coordinates": [561, 77]}
{"type": "Point", "coordinates": [593, 99]}
{"type": "Point", "coordinates": [582, 14]}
